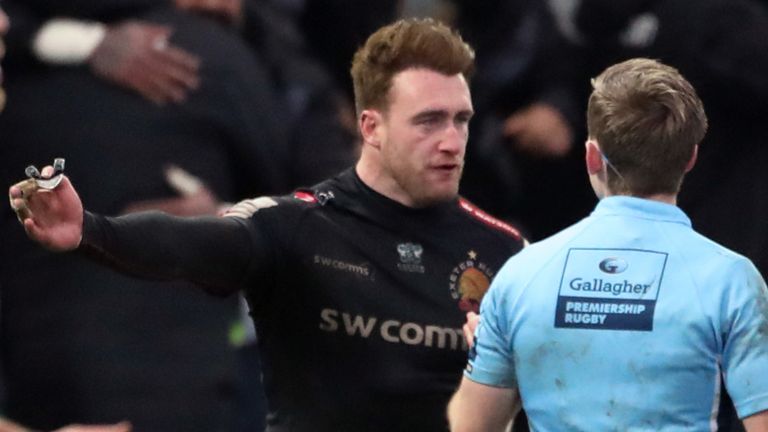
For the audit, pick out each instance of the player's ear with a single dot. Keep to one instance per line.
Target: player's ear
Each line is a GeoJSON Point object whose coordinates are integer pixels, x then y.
{"type": "Point", "coordinates": [370, 125]}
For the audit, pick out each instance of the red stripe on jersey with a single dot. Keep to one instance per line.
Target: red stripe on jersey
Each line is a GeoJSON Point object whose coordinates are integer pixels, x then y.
{"type": "Point", "coordinates": [305, 196]}
{"type": "Point", "coordinates": [488, 219]}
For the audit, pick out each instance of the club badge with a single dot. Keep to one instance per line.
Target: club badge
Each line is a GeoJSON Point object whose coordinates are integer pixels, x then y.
{"type": "Point", "coordinates": [469, 281]}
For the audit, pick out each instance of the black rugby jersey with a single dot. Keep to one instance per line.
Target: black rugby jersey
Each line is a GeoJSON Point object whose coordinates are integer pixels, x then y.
{"type": "Point", "coordinates": [358, 300]}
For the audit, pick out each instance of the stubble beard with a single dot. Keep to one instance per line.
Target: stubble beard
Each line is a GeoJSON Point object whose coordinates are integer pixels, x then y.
{"type": "Point", "coordinates": [422, 192]}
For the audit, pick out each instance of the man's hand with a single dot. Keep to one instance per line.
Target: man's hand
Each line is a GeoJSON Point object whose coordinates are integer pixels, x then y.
{"type": "Point", "coordinates": [539, 130]}
{"type": "Point", "coordinates": [53, 218]}
{"type": "Point", "coordinates": [230, 11]}
{"type": "Point", "coordinates": [138, 56]}
{"type": "Point", "coordinates": [469, 328]}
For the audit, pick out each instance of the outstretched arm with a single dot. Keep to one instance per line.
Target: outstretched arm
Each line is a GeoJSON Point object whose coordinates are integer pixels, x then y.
{"type": "Point", "coordinates": [214, 252]}
{"type": "Point", "coordinates": [211, 251]}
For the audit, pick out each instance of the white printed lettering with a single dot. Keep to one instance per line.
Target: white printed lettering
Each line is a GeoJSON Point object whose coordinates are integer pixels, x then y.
{"type": "Point", "coordinates": [385, 331]}
{"type": "Point", "coordinates": [443, 334]}
{"type": "Point", "coordinates": [394, 331]}
{"type": "Point", "coordinates": [358, 325]}
{"type": "Point", "coordinates": [417, 334]}
{"type": "Point", "coordinates": [329, 317]}
{"type": "Point", "coordinates": [585, 318]}
{"type": "Point", "coordinates": [599, 285]}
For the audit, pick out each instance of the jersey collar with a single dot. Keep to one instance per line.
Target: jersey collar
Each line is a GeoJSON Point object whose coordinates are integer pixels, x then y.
{"type": "Point", "coordinates": [354, 195]}
{"type": "Point", "coordinates": [640, 208]}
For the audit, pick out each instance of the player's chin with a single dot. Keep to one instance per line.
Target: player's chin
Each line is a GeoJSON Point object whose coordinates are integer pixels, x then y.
{"type": "Point", "coordinates": [435, 186]}
{"type": "Point", "coordinates": [442, 192]}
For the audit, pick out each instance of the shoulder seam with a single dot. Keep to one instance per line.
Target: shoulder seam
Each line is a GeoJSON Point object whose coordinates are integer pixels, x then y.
{"type": "Point", "coordinates": [488, 220]}
{"type": "Point", "coordinates": [305, 195]}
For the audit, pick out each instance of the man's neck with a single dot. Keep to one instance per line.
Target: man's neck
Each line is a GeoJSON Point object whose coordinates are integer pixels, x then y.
{"type": "Point", "coordinates": [664, 198]}
{"type": "Point", "coordinates": [371, 174]}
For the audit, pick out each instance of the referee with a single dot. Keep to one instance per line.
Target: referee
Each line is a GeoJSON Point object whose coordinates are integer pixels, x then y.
{"type": "Point", "coordinates": [627, 319]}
{"type": "Point", "coordinates": [358, 286]}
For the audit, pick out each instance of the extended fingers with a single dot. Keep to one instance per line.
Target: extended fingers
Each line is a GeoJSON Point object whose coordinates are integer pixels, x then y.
{"type": "Point", "coordinates": [469, 335]}
{"type": "Point", "coordinates": [181, 58]}
{"type": "Point", "coordinates": [14, 191]}
{"type": "Point", "coordinates": [138, 55]}
{"type": "Point", "coordinates": [183, 67]}
{"type": "Point", "coordinates": [18, 195]}
{"type": "Point", "coordinates": [27, 195]}
{"type": "Point", "coordinates": [22, 211]}
{"type": "Point", "coordinates": [177, 71]}
{"type": "Point", "coordinates": [23, 189]}
{"type": "Point", "coordinates": [470, 327]}
{"type": "Point", "coordinates": [168, 74]}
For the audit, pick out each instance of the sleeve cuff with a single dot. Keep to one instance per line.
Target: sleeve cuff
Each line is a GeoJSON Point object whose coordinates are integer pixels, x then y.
{"type": "Point", "coordinates": [64, 41]}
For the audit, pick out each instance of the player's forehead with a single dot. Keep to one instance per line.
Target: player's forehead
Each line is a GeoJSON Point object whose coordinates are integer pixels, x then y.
{"type": "Point", "coordinates": [417, 90]}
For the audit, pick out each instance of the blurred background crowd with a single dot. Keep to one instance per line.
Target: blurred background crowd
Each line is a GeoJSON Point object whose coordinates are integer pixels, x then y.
{"type": "Point", "coordinates": [185, 105]}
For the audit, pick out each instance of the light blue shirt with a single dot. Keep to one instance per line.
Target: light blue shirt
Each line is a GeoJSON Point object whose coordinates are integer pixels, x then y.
{"type": "Point", "coordinates": [624, 321]}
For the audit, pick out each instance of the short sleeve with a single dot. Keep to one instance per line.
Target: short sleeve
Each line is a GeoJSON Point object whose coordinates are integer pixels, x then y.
{"type": "Point", "coordinates": [490, 359]}
{"type": "Point", "coordinates": [745, 352]}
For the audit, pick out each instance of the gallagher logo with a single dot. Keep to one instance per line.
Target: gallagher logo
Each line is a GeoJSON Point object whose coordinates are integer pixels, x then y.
{"type": "Point", "coordinates": [613, 265]}
{"type": "Point", "coordinates": [469, 281]}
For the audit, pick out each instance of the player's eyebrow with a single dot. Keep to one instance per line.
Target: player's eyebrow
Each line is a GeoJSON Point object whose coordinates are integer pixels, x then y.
{"type": "Point", "coordinates": [430, 113]}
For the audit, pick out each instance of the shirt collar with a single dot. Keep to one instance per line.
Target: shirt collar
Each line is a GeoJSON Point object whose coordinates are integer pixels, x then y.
{"type": "Point", "coordinates": [640, 208]}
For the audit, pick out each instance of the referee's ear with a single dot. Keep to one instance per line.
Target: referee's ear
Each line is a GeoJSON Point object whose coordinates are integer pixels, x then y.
{"type": "Point", "coordinates": [593, 157]}
{"type": "Point", "coordinates": [689, 166]}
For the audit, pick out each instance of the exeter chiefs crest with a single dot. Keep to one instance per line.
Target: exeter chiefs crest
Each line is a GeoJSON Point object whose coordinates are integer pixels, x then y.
{"type": "Point", "coordinates": [469, 281]}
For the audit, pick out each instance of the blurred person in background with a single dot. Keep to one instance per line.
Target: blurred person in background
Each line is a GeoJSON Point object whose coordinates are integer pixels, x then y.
{"type": "Point", "coordinates": [523, 164]}
{"type": "Point", "coordinates": [128, 92]}
{"type": "Point", "coordinates": [5, 424]}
